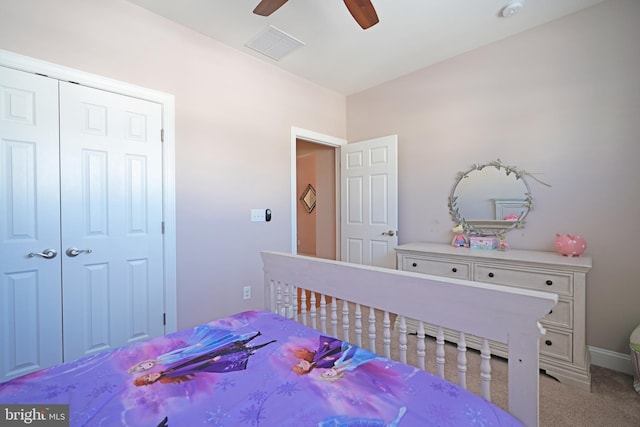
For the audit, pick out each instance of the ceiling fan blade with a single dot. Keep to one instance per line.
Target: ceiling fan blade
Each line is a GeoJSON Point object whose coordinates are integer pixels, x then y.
{"type": "Point", "coordinates": [363, 12]}
{"type": "Point", "coordinates": [267, 7]}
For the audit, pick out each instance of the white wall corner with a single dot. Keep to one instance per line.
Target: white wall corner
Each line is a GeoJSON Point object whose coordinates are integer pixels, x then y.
{"type": "Point", "coordinates": [619, 362]}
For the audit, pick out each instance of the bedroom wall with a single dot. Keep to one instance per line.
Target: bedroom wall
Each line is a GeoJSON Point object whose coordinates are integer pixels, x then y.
{"type": "Point", "coordinates": [234, 115]}
{"type": "Point", "coordinates": [561, 101]}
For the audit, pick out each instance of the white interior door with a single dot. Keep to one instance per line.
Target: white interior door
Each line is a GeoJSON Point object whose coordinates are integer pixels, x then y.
{"type": "Point", "coordinates": [111, 198]}
{"type": "Point", "coordinates": [369, 201]}
{"type": "Point", "coordinates": [30, 286]}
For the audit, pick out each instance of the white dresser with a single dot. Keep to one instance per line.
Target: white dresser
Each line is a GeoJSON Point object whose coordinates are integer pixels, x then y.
{"type": "Point", "coordinates": [563, 350]}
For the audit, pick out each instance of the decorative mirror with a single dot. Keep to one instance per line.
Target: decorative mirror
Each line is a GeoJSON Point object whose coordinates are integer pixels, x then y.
{"type": "Point", "coordinates": [490, 199]}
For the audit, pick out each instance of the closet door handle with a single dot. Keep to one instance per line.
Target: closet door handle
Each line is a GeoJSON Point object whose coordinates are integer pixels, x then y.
{"type": "Point", "coordinates": [73, 252]}
{"type": "Point", "coordinates": [47, 253]}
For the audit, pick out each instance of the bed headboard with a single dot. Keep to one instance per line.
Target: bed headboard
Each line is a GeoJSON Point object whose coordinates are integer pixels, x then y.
{"type": "Point", "coordinates": [499, 313]}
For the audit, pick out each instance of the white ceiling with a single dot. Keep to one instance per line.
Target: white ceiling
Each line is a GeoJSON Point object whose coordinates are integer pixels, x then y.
{"type": "Point", "coordinates": [339, 55]}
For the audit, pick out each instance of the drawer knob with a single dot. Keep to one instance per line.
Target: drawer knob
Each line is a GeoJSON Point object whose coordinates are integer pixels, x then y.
{"type": "Point", "coordinates": [549, 282]}
{"type": "Point", "coordinates": [454, 269]}
{"type": "Point", "coordinates": [415, 264]}
{"type": "Point", "coordinates": [490, 274]}
{"type": "Point", "coordinates": [548, 342]}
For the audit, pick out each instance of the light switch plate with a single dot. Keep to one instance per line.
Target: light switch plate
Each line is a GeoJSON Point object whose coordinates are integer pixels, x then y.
{"type": "Point", "coordinates": [258, 215]}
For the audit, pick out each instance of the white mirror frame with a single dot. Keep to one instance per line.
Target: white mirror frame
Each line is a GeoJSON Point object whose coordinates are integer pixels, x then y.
{"type": "Point", "coordinates": [490, 227]}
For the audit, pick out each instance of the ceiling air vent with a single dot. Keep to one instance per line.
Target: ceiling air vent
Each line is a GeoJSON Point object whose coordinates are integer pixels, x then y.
{"type": "Point", "coordinates": [274, 43]}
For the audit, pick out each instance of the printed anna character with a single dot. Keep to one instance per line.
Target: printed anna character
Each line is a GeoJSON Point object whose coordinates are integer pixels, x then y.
{"type": "Point", "coordinates": [328, 351]}
{"type": "Point", "coordinates": [333, 355]}
{"type": "Point", "coordinates": [227, 358]}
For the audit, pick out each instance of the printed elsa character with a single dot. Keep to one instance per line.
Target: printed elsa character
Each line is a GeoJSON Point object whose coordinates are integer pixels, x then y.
{"type": "Point", "coordinates": [230, 357]}
{"type": "Point", "coordinates": [351, 358]}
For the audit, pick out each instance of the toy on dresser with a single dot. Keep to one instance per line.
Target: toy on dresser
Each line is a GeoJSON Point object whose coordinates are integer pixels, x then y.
{"type": "Point", "coordinates": [570, 244]}
{"type": "Point", "coordinates": [459, 239]}
{"type": "Point", "coordinates": [483, 242]}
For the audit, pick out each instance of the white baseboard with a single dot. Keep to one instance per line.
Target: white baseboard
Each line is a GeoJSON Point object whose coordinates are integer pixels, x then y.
{"type": "Point", "coordinates": [619, 362]}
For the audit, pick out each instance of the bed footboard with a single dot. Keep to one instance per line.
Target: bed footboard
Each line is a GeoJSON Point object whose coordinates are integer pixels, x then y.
{"type": "Point", "coordinates": [332, 295]}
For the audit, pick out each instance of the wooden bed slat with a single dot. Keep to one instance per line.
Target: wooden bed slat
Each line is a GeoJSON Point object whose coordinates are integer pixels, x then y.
{"type": "Point", "coordinates": [485, 369]}
{"type": "Point", "coordinates": [462, 361]}
{"type": "Point", "coordinates": [372, 330]}
{"type": "Point", "coordinates": [421, 346]}
{"type": "Point", "coordinates": [358, 325]}
{"type": "Point", "coordinates": [440, 351]}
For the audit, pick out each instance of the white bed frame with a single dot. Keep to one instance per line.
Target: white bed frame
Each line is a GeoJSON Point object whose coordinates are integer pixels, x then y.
{"type": "Point", "coordinates": [493, 312]}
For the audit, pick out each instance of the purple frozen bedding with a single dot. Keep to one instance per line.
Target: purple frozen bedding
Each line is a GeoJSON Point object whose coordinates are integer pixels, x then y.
{"type": "Point", "coordinates": [255, 369]}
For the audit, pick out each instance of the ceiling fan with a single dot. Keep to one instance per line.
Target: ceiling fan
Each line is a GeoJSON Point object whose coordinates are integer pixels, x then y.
{"type": "Point", "coordinates": [362, 10]}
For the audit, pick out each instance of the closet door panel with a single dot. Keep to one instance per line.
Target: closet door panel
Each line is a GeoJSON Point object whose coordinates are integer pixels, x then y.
{"type": "Point", "coordinates": [111, 175]}
{"type": "Point", "coordinates": [30, 284]}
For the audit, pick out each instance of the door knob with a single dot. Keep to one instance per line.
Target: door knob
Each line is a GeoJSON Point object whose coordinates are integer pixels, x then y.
{"type": "Point", "coordinates": [73, 252]}
{"type": "Point", "coordinates": [389, 233]}
{"type": "Point", "coordinates": [47, 253]}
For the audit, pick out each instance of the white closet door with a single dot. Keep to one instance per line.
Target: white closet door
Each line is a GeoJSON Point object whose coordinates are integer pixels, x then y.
{"type": "Point", "coordinates": [30, 293]}
{"type": "Point", "coordinates": [111, 180]}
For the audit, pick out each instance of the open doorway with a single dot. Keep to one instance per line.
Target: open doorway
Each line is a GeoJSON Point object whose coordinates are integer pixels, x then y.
{"type": "Point", "coordinates": [315, 162]}
{"type": "Point", "coordinates": [316, 206]}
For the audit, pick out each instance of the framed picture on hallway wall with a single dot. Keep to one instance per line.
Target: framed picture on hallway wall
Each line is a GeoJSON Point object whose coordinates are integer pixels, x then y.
{"type": "Point", "coordinates": [308, 198]}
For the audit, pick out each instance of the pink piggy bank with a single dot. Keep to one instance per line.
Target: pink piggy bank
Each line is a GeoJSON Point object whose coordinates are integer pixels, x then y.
{"type": "Point", "coordinates": [570, 244]}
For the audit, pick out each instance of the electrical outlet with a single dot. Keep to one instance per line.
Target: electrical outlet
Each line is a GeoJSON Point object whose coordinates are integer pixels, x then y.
{"type": "Point", "coordinates": [246, 292]}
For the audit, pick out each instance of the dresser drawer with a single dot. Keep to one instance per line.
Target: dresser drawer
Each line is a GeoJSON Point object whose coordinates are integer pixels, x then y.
{"type": "Point", "coordinates": [557, 282]}
{"type": "Point", "coordinates": [444, 268]}
{"type": "Point", "coordinates": [560, 315]}
{"type": "Point", "coordinates": [557, 344]}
